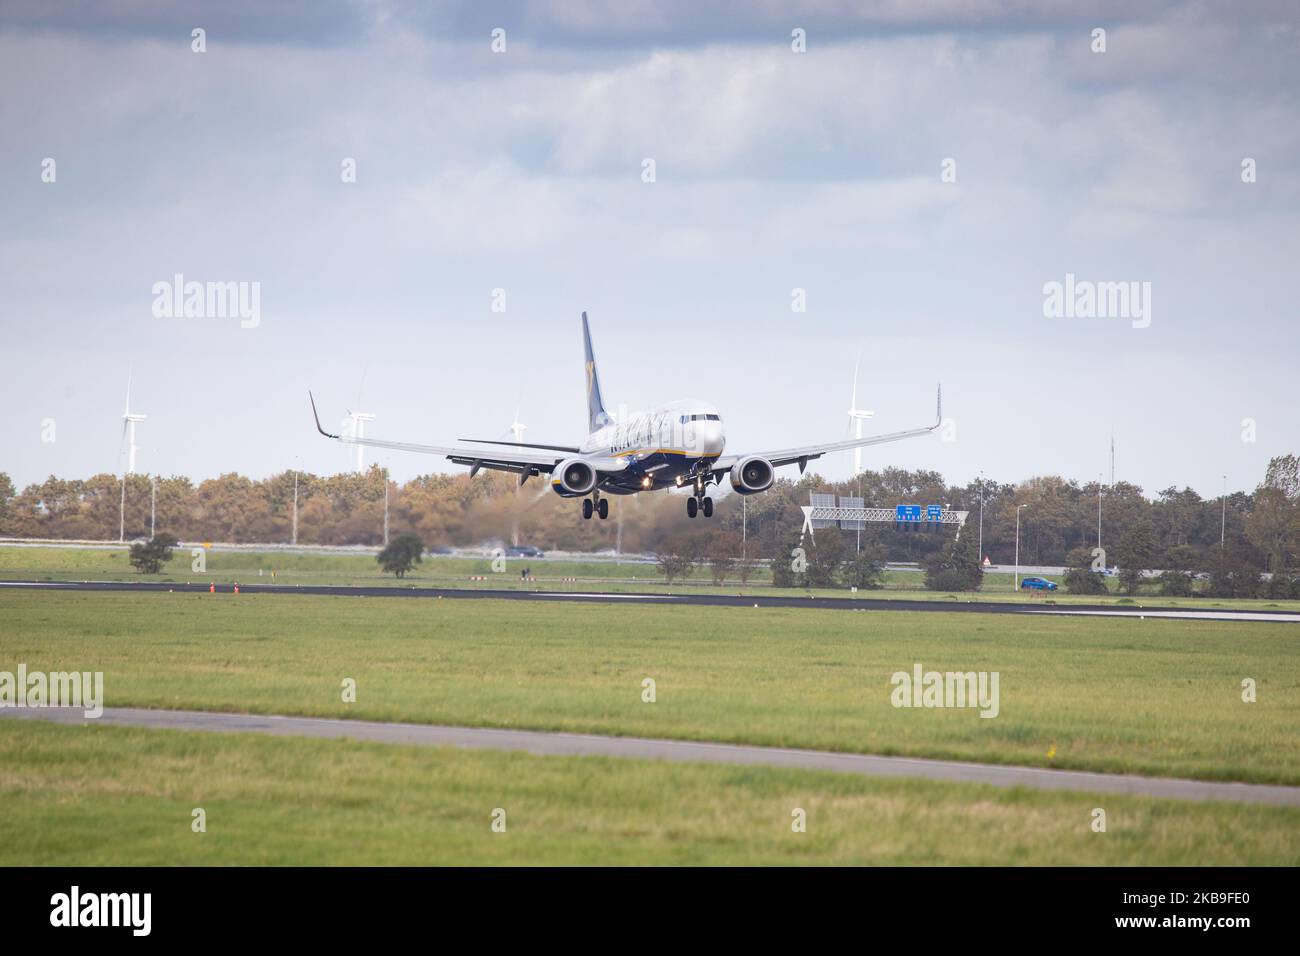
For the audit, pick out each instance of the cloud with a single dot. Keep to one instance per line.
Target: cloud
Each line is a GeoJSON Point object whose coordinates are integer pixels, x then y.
{"type": "Point", "coordinates": [775, 170]}
{"type": "Point", "coordinates": [290, 22]}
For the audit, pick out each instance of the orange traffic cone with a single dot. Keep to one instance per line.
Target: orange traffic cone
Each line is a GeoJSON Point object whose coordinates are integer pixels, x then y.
{"type": "Point", "coordinates": [212, 589]}
{"type": "Point", "coordinates": [236, 588]}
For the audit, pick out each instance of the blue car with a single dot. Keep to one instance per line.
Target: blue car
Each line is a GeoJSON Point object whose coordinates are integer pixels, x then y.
{"type": "Point", "coordinates": [1037, 584]}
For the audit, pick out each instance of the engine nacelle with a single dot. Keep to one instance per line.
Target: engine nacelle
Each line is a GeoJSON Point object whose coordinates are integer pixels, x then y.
{"type": "Point", "coordinates": [751, 475]}
{"type": "Point", "coordinates": [573, 478]}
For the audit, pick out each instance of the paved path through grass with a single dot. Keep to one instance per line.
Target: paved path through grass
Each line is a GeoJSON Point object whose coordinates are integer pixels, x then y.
{"type": "Point", "coordinates": [590, 745]}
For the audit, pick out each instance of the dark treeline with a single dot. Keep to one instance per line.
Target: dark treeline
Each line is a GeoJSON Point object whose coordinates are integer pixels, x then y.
{"type": "Point", "coordinates": [1174, 528]}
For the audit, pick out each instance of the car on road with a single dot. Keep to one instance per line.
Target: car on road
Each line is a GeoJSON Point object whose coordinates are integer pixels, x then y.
{"type": "Point", "coordinates": [1037, 584]}
{"type": "Point", "coordinates": [524, 551]}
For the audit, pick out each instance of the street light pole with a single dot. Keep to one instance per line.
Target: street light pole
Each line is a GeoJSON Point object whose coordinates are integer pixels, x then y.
{"type": "Point", "coordinates": [1099, 486]}
{"type": "Point", "coordinates": [981, 518]}
{"type": "Point", "coordinates": [744, 532]}
{"type": "Point", "coordinates": [1018, 546]}
{"type": "Point", "coordinates": [294, 539]}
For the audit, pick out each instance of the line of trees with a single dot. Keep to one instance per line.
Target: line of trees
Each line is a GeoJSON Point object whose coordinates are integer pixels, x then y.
{"type": "Point", "coordinates": [1176, 529]}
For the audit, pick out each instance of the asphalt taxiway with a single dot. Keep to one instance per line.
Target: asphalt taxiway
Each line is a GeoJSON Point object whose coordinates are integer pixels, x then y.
{"type": "Point", "coordinates": [592, 745]}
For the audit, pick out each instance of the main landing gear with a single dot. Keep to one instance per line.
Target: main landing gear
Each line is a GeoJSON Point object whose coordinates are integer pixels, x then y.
{"type": "Point", "coordinates": [597, 505]}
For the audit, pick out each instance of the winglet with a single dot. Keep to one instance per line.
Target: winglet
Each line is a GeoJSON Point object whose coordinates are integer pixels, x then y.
{"type": "Point", "coordinates": [938, 406]}
{"type": "Point", "coordinates": [317, 417]}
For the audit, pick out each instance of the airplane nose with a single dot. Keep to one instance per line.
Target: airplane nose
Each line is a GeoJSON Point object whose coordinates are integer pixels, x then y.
{"type": "Point", "coordinates": [712, 439]}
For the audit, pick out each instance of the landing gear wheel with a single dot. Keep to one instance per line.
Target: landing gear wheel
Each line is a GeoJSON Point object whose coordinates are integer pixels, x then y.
{"type": "Point", "coordinates": [586, 508]}
{"type": "Point", "coordinates": [603, 509]}
{"type": "Point", "coordinates": [692, 506]}
{"type": "Point", "coordinates": [707, 505]}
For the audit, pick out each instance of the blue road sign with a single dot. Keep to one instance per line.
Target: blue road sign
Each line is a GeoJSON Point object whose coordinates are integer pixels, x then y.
{"type": "Point", "coordinates": [907, 513]}
{"type": "Point", "coordinates": [933, 512]}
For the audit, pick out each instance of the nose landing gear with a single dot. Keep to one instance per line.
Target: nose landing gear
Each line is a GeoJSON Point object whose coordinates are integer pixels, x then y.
{"type": "Point", "coordinates": [697, 505]}
{"type": "Point", "coordinates": [699, 501]}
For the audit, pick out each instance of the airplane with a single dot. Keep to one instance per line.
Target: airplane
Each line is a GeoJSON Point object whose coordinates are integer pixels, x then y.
{"type": "Point", "coordinates": [676, 445]}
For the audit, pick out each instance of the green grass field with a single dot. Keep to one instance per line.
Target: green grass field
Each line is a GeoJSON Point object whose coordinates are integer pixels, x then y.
{"type": "Point", "coordinates": [225, 567]}
{"type": "Point", "coordinates": [110, 795]}
{"type": "Point", "coordinates": [1152, 697]}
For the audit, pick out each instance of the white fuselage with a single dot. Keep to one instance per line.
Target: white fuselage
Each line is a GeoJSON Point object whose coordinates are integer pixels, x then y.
{"type": "Point", "coordinates": [661, 447]}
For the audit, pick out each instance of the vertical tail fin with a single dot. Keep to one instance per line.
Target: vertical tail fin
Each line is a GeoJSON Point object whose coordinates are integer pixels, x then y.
{"type": "Point", "coordinates": [597, 417]}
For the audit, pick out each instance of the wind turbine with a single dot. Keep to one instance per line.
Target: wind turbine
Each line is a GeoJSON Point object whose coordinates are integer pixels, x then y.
{"type": "Point", "coordinates": [517, 428]}
{"type": "Point", "coordinates": [129, 420]}
{"type": "Point", "coordinates": [856, 417]}
{"type": "Point", "coordinates": [355, 425]}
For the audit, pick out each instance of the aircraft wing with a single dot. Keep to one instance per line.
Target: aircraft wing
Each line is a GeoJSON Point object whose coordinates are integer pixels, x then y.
{"type": "Point", "coordinates": [805, 453]}
{"type": "Point", "coordinates": [522, 462]}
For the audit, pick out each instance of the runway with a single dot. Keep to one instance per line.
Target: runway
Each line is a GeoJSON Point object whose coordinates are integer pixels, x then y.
{"type": "Point", "coordinates": [799, 600]}
{"type": "Point", "coordinates": [591, 745]}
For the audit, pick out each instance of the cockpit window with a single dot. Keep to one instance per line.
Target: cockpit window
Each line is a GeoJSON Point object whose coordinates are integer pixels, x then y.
{"type": "Point", "coordinates": [700, 418]}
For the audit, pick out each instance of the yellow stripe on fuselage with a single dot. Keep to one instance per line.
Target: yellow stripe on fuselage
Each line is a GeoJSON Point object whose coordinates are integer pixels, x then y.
{"type": "Point", "coordinates": [648, 451]}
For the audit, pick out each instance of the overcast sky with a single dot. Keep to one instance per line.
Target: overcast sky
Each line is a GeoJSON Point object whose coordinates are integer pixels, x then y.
{"type": "Point", "coordinates": [774, 170]}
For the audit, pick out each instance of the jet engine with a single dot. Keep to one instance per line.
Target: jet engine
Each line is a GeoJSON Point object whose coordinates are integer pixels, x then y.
{"type": "Point", "coordinates": [751, 475]}
{"type": "Point", "coordinates": [573, 478]}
